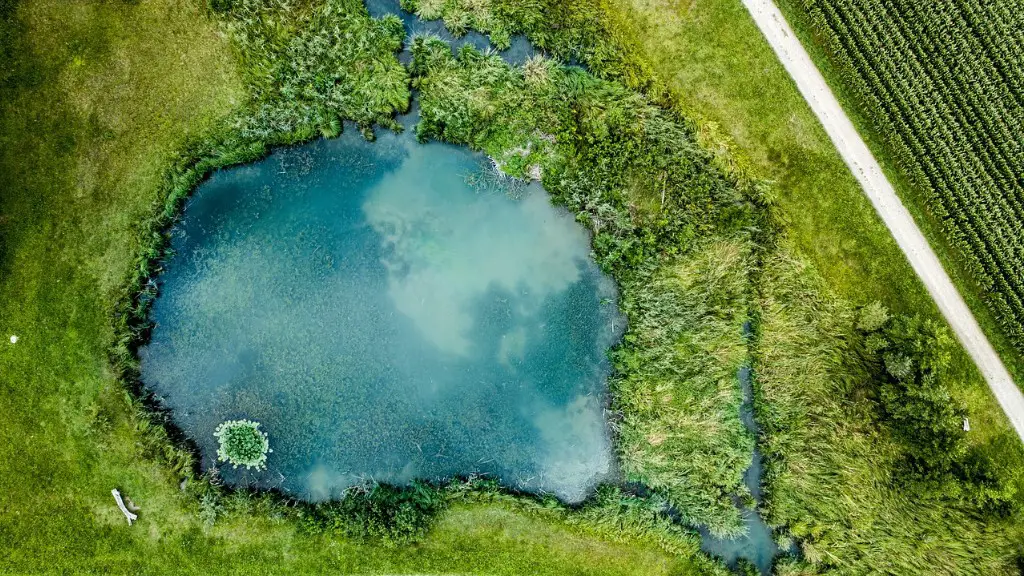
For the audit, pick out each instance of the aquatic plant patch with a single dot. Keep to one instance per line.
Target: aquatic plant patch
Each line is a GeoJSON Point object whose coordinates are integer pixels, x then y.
{"type": "Point", "coordinates": [242, 444]}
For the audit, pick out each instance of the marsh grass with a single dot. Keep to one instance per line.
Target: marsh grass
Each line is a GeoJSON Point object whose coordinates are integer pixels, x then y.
{"type": "Point", "coordinates": [676, 386]}
{"type": "Point", "coordinates": [821, 432]}
{"type": "Point", "coordinates": [307, 66]}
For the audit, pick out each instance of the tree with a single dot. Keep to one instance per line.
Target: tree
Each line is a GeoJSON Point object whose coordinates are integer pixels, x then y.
{"type": "Point", "coordinates": [917, 400]}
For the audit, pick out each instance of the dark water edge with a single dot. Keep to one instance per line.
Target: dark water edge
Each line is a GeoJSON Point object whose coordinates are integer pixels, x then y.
{"type": "Point", "coordinates": [758, 544]}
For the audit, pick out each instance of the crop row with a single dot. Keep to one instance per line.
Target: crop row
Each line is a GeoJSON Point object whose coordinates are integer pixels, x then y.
{"type": "Point", "coordinates": [944, 83]}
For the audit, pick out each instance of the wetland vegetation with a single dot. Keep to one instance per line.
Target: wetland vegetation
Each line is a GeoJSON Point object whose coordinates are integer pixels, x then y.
{"type": "Point", "coordinates": [697, 246]}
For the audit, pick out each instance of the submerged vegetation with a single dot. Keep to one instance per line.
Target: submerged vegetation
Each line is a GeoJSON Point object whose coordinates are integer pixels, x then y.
{"type": "Point", "coordinates": [868, 467]}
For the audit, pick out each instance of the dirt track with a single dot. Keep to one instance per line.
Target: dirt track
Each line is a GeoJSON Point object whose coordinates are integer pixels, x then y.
{"type": "Point", "coordinates": [896, 217]}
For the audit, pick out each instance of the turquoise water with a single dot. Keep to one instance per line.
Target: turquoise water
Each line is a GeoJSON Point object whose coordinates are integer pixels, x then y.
{"type": "Point", "coordinates": [387, 311]}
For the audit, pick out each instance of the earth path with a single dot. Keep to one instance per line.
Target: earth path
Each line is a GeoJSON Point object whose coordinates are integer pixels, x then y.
{"type": "Point", "coordinates": [896, 217]}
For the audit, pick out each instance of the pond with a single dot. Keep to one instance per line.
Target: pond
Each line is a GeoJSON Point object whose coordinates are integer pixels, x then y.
{"type": "Point", "coordinates": [397, 311]}
{"type": "Point", "coordinates": [387, 311]}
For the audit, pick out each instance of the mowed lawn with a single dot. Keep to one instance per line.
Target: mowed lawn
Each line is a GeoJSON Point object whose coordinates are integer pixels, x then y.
{"type": "Point", "coordinates": [95, 99]}
{"type": "Point", "coordinates": [723, 74]}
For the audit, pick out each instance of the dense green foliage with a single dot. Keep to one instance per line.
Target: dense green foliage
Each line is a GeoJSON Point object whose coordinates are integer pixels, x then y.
{"type": "Point", "coordinates": [868, 466]}
{"type": "Point", "coordinates": [311, 65]}
{"type": "Point", "coordinates": [665, 223]}
{"type": "Point", "coordinates": [910, 360]}
{"type": "Point", "coordinates": [393, 515]}
{"type": "Point", "coordinates": [242, 443]}
{"type": "Point", "coordinates": [914, 394]}
{"type": "Point", "coordinates": [632, 173]}
{"type": "Point", "coordinates": [942, 82]}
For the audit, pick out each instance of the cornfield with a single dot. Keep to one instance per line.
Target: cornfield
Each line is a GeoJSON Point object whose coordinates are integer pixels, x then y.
{"type": "Point", "coordinates": [943, 82]}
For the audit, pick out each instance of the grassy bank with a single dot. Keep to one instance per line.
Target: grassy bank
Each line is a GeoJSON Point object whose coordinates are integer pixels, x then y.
{"type": "Point", "coordinates": [99, 156]}
{"type": "Point", "coordinates": [722, 74]}
{"type": "Point", "coordinates": [98, 100]}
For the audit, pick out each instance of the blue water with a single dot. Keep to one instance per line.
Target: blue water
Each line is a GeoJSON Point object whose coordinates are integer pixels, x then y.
{"type": "Point", "coordinates": [387, 311]}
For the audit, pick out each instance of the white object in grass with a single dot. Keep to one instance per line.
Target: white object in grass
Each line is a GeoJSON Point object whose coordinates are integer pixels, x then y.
{"type": "Point", "coordinates": [120, 504]}
{"type": "Point", "coordinates": [967, 425]}
{"type": "Point", "coordinates": [14, 339]}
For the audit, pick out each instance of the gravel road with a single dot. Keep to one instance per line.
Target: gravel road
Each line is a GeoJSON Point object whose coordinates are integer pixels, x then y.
{"type": "Point", "coordinates": [896, 217]}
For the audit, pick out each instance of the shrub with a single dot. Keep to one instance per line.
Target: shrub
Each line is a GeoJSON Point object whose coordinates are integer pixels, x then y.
{"type": "Point", "coordinates": [389, 514]}
{"type": "Point", "coordinates": [210, 508]}
{"type": "Point", "coordinates": [873, 317]}
{"type": "Point", "coordinates": [912, 359]}
{"type": "Point", "coordinates": [914, 395]}
{"type": "Point", "coordinates": [242, 444]}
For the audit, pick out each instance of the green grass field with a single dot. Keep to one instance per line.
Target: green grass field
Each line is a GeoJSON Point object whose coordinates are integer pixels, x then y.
{"type": "Point", "coordinates": [722, 74]}
{"type": "Point", "coordinates": [97, 98]}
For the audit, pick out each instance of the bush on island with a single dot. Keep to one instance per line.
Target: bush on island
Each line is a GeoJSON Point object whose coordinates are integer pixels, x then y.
{"type": "Point", "coordinates": [242, 444]}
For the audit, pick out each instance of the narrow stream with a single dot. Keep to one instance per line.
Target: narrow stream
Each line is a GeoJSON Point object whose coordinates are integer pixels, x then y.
{"type": "Point", "coordinates": [758, 545]}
